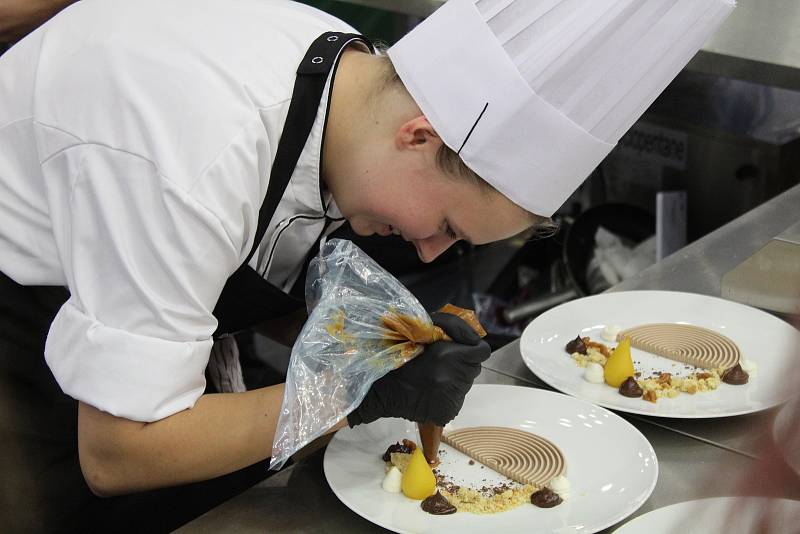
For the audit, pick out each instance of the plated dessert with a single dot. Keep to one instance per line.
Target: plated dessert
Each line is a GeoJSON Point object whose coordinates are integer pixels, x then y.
{"type": "Point", "coordinates": [709, 358]}
{"type": "Point", "coordinates": [534, 467]}
{"type": "Point", "coordinates": [600, 450]}
{"type": "Point", "coordinates": [689, 392]}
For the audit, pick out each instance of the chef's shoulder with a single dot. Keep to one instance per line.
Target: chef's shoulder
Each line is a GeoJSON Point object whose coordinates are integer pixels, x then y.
{"type": "Point", "coordinates": [177, 82]}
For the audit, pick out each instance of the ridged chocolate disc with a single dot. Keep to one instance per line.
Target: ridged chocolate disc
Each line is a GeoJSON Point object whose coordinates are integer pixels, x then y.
{"type": "Point", "coordinates": [519, 455]}
{"type": "Point", "coordinates": [685, 343]}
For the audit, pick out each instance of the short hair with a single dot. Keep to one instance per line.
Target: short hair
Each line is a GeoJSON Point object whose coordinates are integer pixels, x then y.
{"type": "Point", "coordinates": [447, 159]}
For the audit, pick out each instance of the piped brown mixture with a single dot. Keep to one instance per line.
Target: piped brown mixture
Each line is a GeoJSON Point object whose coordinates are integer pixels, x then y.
{"type": "Point", "coordinates": [545, 498]}
{"type": "Point", "coordinates": [436, 504]}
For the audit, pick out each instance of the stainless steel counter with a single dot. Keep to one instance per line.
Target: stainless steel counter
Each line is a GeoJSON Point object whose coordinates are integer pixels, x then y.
{"type": "Point", "coordinates": [691, 453]}
{"type": "Point", "coordinates": [699, 267]}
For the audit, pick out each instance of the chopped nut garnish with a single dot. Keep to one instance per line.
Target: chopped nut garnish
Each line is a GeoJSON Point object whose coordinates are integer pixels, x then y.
{"type": "Point", "coordinates": [659, 384]}
{"type": "Point", "coordinates": [598, 346]}
{"type": "Point", "coordinates": [410, 444]}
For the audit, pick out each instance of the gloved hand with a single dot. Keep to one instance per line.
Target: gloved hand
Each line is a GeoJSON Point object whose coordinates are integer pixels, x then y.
{"type": "Point", "coordinates": [431, 387]}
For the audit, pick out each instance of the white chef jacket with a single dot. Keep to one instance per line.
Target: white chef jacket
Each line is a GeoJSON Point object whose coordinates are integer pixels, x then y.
{"type": "Point", "coordinates": [136, 141]}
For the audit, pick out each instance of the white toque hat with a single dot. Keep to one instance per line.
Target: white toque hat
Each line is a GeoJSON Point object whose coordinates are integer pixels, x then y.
{"type": "Point", "coordinates": [533, 94]}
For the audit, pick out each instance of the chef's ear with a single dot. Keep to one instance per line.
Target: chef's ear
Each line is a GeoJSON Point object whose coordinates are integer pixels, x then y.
{"type": "Point", "coordinates": [417, 133]}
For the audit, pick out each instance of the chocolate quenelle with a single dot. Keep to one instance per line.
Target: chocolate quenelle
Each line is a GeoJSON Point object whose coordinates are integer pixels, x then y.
{"type": "Point", "coordinates": [576, 345]}
{"type": "Point", "coordinates": [545, 498]}
{"type": "Point", "coordinates": [735, 376]}
{"type": "Point", "coordinates": [407, 447]}
{"type": "Point", "coordinates": [436, 504]}
{"type": "Point", "coordinates": [630, 388]}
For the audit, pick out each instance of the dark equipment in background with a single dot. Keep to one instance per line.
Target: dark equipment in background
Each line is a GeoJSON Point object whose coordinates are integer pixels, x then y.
{"type": "Point", "coordinates": [629, 222]}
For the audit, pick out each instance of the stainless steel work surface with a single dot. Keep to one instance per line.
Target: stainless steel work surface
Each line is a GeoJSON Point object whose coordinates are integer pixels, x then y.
{"type": "Point", "coordinates": [791, 234]}
{"type": "Point", "coordinates": [299, 500]}
{"type": "Point", "coordinates": [699, 267]}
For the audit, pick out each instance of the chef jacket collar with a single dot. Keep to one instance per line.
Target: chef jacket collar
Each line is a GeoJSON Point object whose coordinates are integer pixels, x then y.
{"type": "Point", "coordinates": [307, 183]}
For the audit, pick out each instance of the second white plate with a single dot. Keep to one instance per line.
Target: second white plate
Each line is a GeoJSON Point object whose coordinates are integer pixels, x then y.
{"type": "Point", "coordinates": [761, 337]}
{"type": "Point", "coordinates": [611, 466]}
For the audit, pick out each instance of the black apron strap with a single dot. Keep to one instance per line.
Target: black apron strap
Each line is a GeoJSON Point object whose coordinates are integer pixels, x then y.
{"type": "Point", "coordinates": [247, 299]}
{"type": "Point", "coordinates": [312, 74]}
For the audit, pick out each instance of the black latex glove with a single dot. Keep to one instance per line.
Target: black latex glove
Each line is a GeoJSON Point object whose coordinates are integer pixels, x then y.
{"type": "Point", "coordinates": [431, 387]}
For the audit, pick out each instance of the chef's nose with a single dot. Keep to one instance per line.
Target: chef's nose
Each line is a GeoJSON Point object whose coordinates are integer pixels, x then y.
{"type": "Point", "coordinates": [430, 248]}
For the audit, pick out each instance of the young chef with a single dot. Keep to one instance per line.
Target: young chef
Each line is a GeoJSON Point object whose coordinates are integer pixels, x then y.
{"type": "Point", "coordinates": [168, 167]}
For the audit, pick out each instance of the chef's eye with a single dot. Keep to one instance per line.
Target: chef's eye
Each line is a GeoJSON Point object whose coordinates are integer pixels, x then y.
{"type": "Point", "coordinates": [449, 231]}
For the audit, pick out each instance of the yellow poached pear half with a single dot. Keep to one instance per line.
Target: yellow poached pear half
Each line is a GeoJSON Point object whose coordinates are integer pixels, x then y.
{"type": "Point", "coordinates": [619, 365]}
{"type": "Point", "coordinates": [418, 480]}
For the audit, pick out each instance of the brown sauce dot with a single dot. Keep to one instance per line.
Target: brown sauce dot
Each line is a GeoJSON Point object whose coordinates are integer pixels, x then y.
{"type": "Point", "coordinates": [436, 504]}
{"type": "Point", "coordinates": [545, 498]}
{"type": "Point", "coordinates": [576, 345]}
{"type": "Point", "coordinates": [735, 376]}
{"type": "Point", "coordinates": [630, 388]}
{"type": "Point", "coordinates": [406, 448]}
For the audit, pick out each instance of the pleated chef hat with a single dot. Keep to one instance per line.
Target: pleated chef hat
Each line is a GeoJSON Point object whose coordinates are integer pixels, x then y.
{"type": "Point", "coordinates": [533, 94]}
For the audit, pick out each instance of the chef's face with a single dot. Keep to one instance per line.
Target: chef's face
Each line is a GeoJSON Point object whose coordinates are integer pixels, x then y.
{"type": "Point", "coordinates": [405, 193]}
{"type": "Point", "coordinates": [434, 214]}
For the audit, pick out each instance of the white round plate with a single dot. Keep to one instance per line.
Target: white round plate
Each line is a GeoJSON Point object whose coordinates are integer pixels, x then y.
{"type": "Point", "coordinates": [763, 338]}
{"type": "Point", "coordinates": [720, 515]}
{"type": "Point", "coordinates": [611, 466]}
{"type": "Point", "coordinates": [786, 433]}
